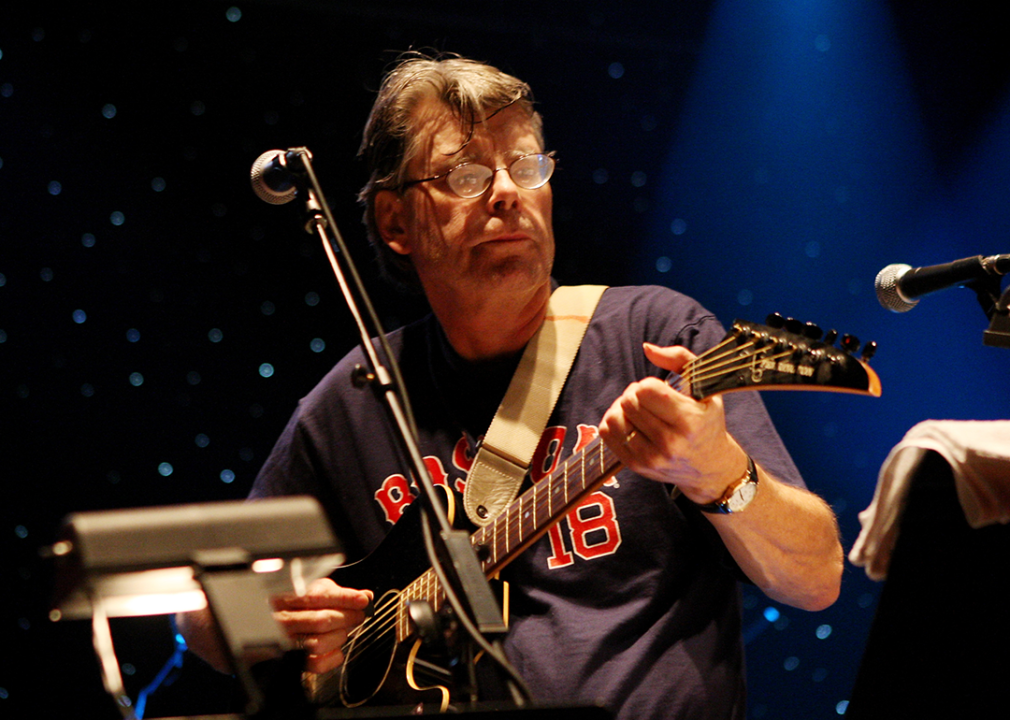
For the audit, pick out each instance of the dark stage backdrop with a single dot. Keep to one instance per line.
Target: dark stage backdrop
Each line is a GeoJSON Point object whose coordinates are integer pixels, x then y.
{"type": "Point", "coordinates": [158, 323]}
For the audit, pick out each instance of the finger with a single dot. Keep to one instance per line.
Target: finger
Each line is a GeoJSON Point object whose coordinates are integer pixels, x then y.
{"type": "Point", "coordinates": [323, 593]}
{"type": "Point", "coordinates": [672, 358]}
{"type": "Point", "coordinates": [323, 644]}
{"type": "Point", "coordinates": [324, 663]}
{"type": "Point", "coordinates": [318, 622]}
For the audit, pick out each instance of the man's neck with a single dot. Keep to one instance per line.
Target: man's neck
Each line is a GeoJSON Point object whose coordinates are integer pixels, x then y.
{"type": "Point", "coordinates": [492, 325]}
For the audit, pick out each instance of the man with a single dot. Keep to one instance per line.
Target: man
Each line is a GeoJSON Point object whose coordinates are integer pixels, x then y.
{"type": "Point", "coordinates": [631, 600]}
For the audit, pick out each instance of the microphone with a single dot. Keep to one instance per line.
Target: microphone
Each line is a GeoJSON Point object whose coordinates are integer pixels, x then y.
{"type": "Point", "coordinates": [898, 285]}
{"type": "Point", "coordinates": [274, 175]}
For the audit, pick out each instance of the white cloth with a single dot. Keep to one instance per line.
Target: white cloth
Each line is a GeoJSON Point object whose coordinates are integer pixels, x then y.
{"type": "Point", "coordinates": [978, 453]}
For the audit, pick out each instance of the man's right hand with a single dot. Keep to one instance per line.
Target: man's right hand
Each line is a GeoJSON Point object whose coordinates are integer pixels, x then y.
{"type": "Point", "coordinates": [319, 621]}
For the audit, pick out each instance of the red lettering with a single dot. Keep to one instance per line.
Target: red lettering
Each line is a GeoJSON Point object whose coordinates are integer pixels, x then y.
{"type": "Point", "coordinates": [594, 530]}
{"type": "Point", "coordinates": [594, 526]}
{"type": "Point", "coordinates": [587, 433]}
{"type": "Point", "coordinates": [394, 496]}
{"type": "Point", "coordinates": [548, 453]}
{"type": "Point", "coordinates": [560, 555]}
{"type": "Point", "coordinates": [462, 459]}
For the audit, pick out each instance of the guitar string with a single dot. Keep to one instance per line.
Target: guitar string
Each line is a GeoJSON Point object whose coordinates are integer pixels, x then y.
{"type": "Point", "coordinates": [387, 617]}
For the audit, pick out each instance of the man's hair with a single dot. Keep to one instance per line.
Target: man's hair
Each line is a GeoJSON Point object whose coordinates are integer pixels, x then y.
{"type": "Point", "coordinates": [471, 90]}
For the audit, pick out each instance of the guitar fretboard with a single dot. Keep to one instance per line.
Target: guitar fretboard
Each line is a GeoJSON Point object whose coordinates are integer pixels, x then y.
{"type": "Point", "coordinates": [522, 523]}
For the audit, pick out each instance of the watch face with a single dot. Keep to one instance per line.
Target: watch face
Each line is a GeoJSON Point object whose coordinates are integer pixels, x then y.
{"type": "Point", "coordinates": [742, 496]}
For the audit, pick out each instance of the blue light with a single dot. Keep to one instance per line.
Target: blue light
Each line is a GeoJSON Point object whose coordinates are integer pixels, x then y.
{"type": "Point", "coordinates": [266, 370]}
{"type": "Point", "coordinates": [80, 317]}
{"type": "Point", "coordinates": [132, 335]}
{"type": "Point", "coordinates": [317, 345]}
{"type": "Point", "coordinates": [108, 111]}
{"type": "Point", "coordinates": [771, 614]}
{"type": "Point", "coordinates": [55, 188]}
{"type": "Point", "coordinates": [215, 335]}
{"type": "Point", "coordinates": [841, 707]}
{"type": "Point", "coordinates": [233, 14]}
{"type": "Point", "coordinates": [616, 70]}
{"type": "Point", "coordinates": [823, 632]}
{"type": "Point", "coordinates": [165, 469]}
{"type": "Point", "coordinates": [227, 477]}
{"type": "Point", "coordinates": [202, 440]}
{"type": "Point", "coordinates": [136, 379]}
{"type": "Point", "coordinates": [88, 240]}
{"type": "Point", "coordinates": [117, 218]}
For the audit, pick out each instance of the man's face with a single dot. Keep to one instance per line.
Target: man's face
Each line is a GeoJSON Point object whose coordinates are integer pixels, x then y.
{"type": "Point", "coordinates": [503, 239]}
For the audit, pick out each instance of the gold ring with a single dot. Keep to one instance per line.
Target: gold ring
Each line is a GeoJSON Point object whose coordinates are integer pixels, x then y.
{"type": "Point", "coordinates": [630, 436]}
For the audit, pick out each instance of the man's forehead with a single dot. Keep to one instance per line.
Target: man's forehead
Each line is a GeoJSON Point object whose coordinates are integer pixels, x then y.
{"type": "Point", "coordinates": [439, 130]}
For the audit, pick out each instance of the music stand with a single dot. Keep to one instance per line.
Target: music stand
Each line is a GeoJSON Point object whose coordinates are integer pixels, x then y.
{"type": "Point", "coordinates": [229, 556]}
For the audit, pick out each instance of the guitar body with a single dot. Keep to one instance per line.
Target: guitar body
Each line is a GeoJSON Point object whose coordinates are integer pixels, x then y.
{"type": "Point", "coordinates": [380, 667]}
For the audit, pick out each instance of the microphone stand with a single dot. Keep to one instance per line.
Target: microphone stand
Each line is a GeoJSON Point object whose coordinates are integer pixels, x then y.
{"type": "Point", "coordinates": [450, 551]}
{"type": "Point", "coordinates": [998, 334]}
{"type": "Point", "coordinates": [995, 307]}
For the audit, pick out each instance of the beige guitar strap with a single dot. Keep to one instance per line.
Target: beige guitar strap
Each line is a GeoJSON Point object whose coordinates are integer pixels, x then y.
{"type": "Point", "coordinates": [505, 454]}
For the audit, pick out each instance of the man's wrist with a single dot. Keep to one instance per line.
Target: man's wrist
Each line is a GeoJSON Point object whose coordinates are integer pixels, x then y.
{"type": "Point", "coordinates": [738, 495]}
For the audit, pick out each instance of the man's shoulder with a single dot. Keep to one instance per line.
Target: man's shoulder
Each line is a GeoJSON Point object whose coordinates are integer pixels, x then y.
{"type": "Point", "coordinates": [656, 309]}
{"type": "Point", "coordinates": [337, 383]}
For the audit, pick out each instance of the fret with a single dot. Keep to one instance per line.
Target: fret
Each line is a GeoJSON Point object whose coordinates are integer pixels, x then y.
{"type": "Point", "coordinates": [566, 483]}
{"type": "Point", "coordinates": [550, 493]}
{"type": "Point", "coordinates": [507, 529]}
{"type": "Point", "coordinates": [494, 540]}
{"type": "Point", "coordinates": [521, 519]}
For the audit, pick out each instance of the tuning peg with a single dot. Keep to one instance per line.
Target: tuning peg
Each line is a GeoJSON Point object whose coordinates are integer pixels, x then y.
{"type": "Point", "coordinates": [775, 320]}
{"type": "Point", "coordinates": [794, 326]}
{"type": "Point", "coordinates": [850, 343]}
{"type": "Point", "coordinates": [869, 350]}
{"type": "Point", "coordinates": [812, 331]}
{"type": "Point", "coordinates": [830, 336]}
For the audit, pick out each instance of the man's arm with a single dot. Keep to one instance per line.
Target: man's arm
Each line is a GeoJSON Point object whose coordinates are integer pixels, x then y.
{"type": "Point", "coordinates": [786, 540]}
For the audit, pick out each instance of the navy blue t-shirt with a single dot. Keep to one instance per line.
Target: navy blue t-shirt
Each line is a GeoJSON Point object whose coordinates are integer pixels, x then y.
{"type": "Point", "coordinates": [631, 600]}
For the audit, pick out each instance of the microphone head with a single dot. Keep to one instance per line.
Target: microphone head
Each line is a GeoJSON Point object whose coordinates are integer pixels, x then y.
{"type": "Point", "coordinates": [271, 179]}
{"type": "Point", "coordinates": [888, 293]}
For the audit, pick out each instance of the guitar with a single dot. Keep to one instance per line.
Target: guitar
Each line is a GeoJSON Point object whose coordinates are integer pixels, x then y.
{"type": "Point", "coordinates": [783, 355]}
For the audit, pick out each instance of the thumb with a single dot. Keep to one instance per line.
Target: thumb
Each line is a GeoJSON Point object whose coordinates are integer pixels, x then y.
{"type": "Point", "coordinates": [672, 357]}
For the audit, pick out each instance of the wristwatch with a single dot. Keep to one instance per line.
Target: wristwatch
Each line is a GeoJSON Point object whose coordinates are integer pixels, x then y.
{"type": "Point", "coordinates": [738, 495]}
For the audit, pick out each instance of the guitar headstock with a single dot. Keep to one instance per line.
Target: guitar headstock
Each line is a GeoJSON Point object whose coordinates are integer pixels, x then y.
{"type": "Point", "coordinates": [785, 354]}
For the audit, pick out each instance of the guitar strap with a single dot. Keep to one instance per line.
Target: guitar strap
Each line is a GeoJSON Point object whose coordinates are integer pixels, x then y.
{"type": "Point", "coordinates": [504, 455]}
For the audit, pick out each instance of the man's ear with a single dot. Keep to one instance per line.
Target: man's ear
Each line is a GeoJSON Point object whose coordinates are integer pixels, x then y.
{"type": "Point", "coordinates": [391, 220]}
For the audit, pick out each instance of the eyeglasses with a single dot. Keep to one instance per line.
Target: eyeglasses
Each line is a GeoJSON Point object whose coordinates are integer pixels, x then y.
{"type": "Point", "coordinates": [471, 180]}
